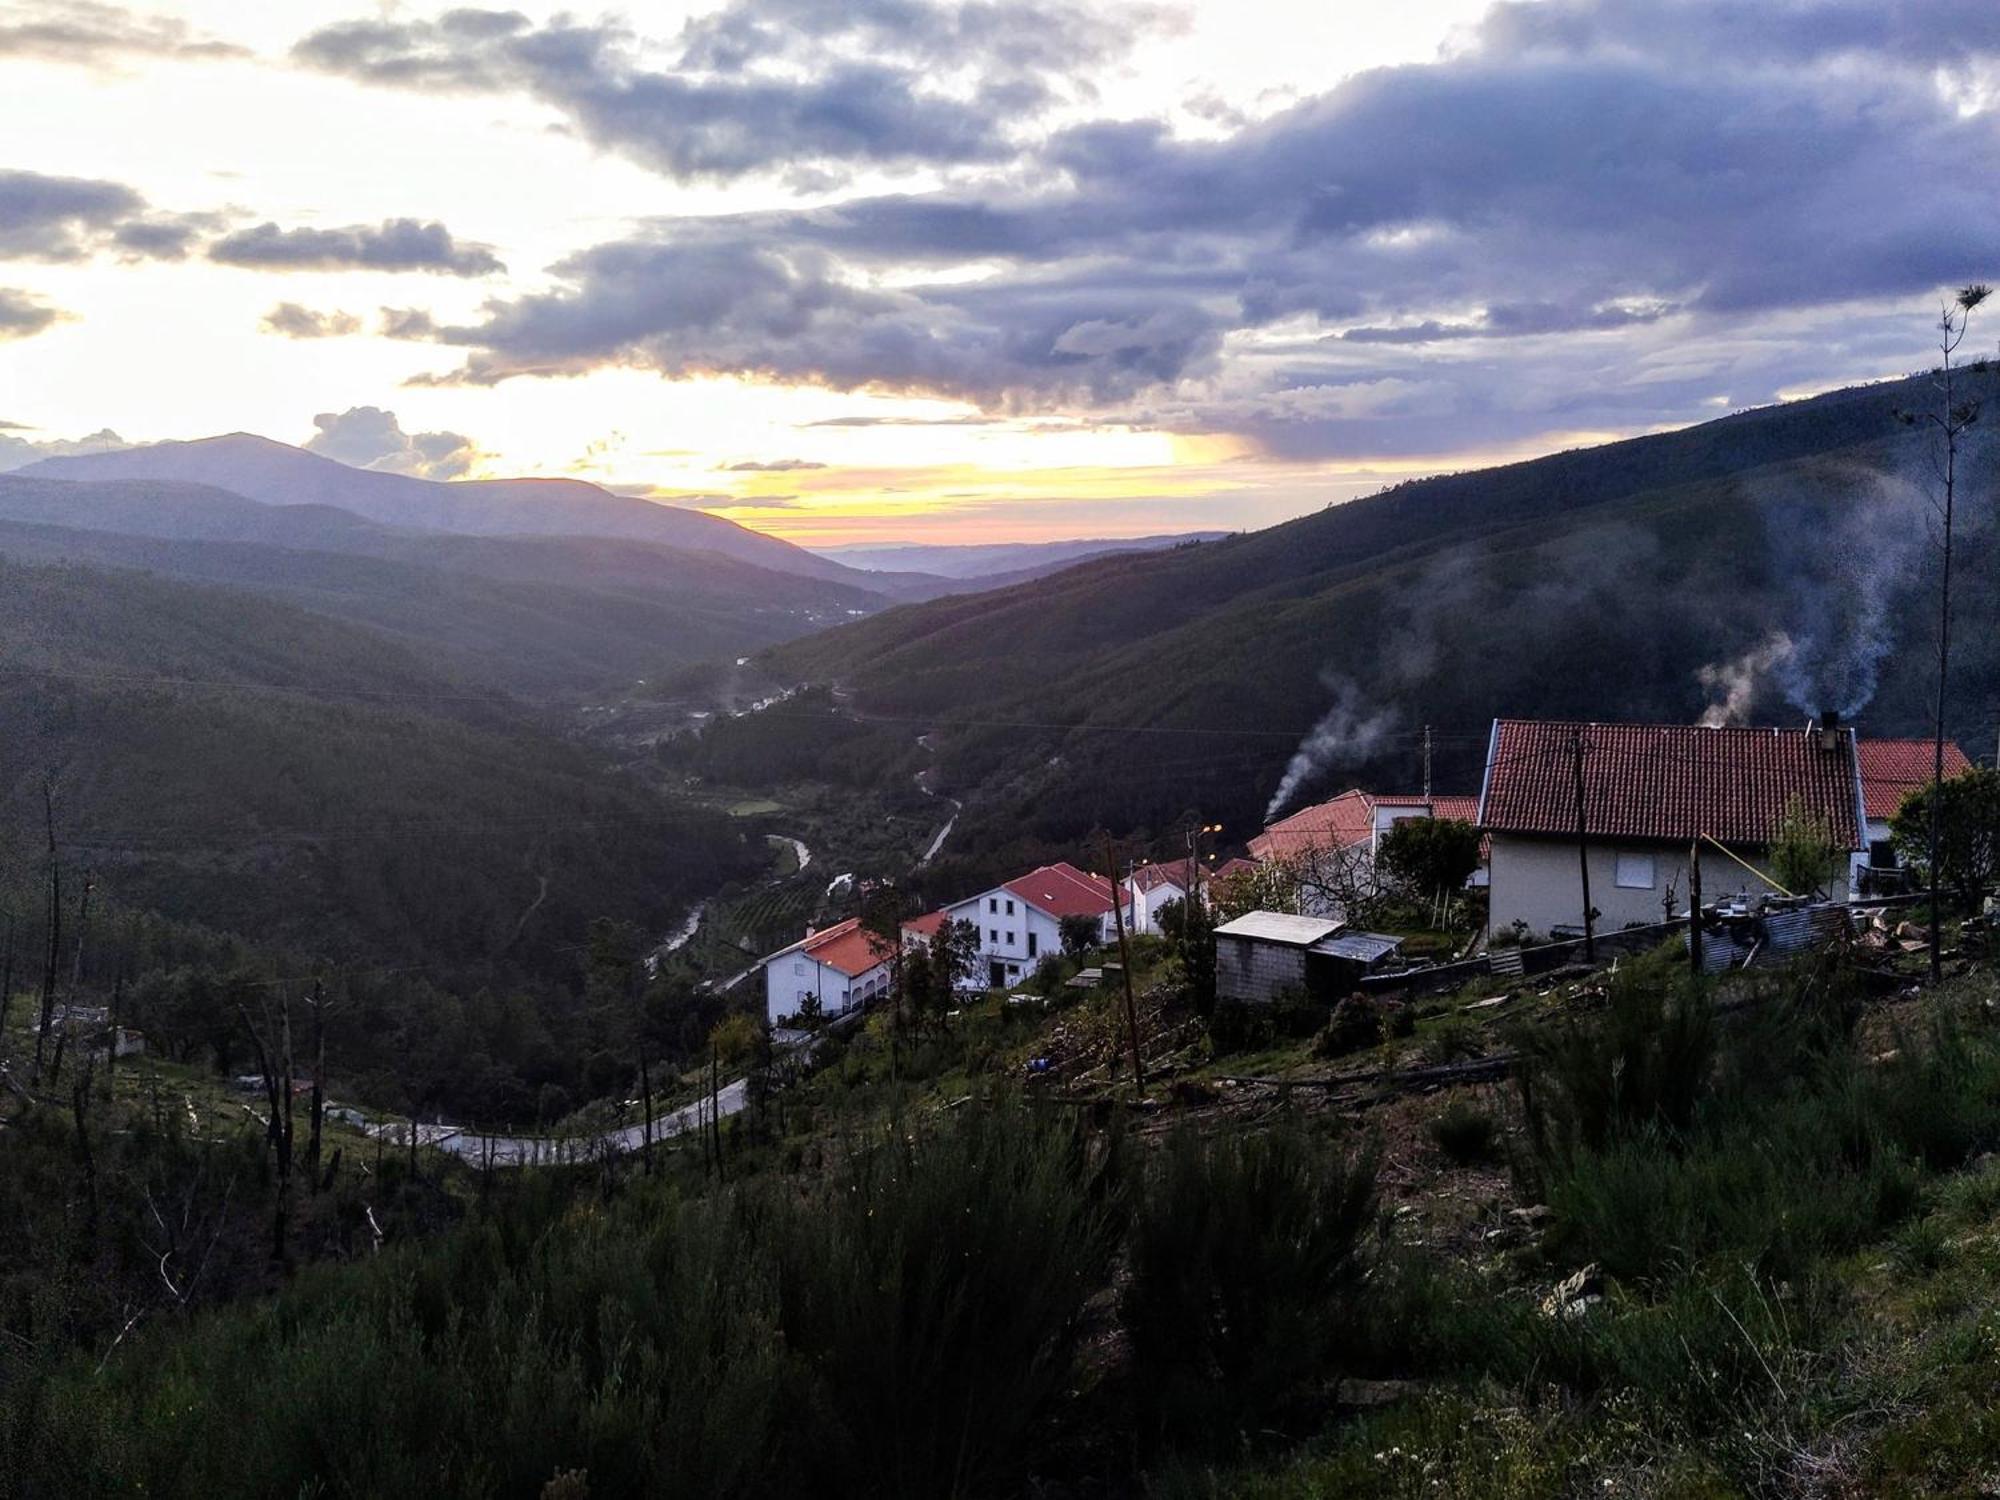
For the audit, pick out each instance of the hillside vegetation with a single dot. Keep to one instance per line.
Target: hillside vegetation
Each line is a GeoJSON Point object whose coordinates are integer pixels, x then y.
{"type": "Point", "coordinates": [1595, 584]}
{"type": "Point", "coordinates": [545, 616]}
{"type": "Point", "coordinates": [230, 761]}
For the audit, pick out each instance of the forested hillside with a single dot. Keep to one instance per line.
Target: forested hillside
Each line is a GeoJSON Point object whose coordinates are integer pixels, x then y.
{"type": "Point", "coordinates": [544, 616]}
{"type": "Point", "coordinates": [237, 763]}
{"type": "Point", "coordinates": [1598, 583]}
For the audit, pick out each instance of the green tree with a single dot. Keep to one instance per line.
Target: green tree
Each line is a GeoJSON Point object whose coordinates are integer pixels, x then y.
{"type": "Point", "coordinates": [1429, 857]}
{"type": "Point", "coordinates": [1080, 934]}
{"type": "Point", "coordinates": [954, 958]}
{"type": "Point", "coordinates": [1968, 833]}
{"type": "Point", "coordinates": [1806, 854]}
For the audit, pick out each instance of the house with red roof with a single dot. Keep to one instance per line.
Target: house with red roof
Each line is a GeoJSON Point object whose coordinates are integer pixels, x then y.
{"type": "Point", "coordinates": [1347, 831]}
{"type": "Point", "coordinates": [1632, 801]}
{"type": "Point", "coordinates": [839, 967]}
{"type": "Point", "coordinates": [1020, 922]}
{"type": "Point", "coordinates": [1150, 887]}
{"type": "Point", "coordinates": [1890, 771]}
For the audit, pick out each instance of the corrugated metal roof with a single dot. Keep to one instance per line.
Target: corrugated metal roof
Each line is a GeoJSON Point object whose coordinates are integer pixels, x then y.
{"type": "Point", "coordinates": [1361, 947]}
{"type": "Point", "coordinates": [1279, 927]}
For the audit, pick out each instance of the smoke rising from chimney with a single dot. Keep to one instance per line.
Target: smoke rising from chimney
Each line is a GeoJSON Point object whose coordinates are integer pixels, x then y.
{"type": "Point", "coordinates": [1351, 729]}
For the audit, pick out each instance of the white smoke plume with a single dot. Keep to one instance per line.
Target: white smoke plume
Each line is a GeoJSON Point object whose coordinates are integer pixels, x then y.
{"type": "Point", "coordinates": [1352, 729]}
{"type": "Point", "coordinates": [1732, 686]}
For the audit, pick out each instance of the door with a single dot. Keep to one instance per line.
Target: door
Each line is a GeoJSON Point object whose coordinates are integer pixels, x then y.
{"type": "Point", "coordinates": [996, 975]}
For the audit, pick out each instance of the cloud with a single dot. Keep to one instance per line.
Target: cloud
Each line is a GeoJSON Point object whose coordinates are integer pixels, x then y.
{"type": "Point", "coordinates": [393, 245]}
{"type": "Point", "coordinates": [796, 86]}
{"type": "Point", "coordinates": [774, 466]}
{"type": "Point", "coordinates": [292, 321]}
{"type": "Point", "coordinates": [1562, 226]}
{"type": "Point", "coordinates": [93, 35]}
{"type": "Point", "coordinates": [407, 323]}
{"type": "Point", "coordinates": [72, 218]}
{"type": "Point", "coordinates": [23, 315]}
{"type": "Point", "coordinates": [367, 437]}
{"type": "Point", "coordinates": [18, 452]}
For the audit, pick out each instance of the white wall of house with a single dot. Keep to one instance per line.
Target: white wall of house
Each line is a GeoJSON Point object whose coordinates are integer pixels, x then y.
{"type": "Point", "coordinates": [1535, 880]}
{"type": "Point", "coordinates": [1013, 937]}
{"type": "Point", "coordinates": [791, 976]}
{"type": "Point", "coordinates": [1145, 905]}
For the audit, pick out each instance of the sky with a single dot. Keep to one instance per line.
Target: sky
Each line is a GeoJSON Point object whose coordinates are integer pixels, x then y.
{"type": "Point", "coordinates": [975, 270]}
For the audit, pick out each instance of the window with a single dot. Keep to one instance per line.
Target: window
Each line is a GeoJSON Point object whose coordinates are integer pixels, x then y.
{"type": "Point", "coordinates": [1034, 940]}
{"type": "Point", "coordinates": [1010, 940]}
{"type": "Point", "coordinates": [1634, 872]}
{"type": "Point", "coordinates": [993, 903]}
{"type": "Point", "coordinates": [993, 936]}
{"type": "Point", "coordinates": [1010, 908]}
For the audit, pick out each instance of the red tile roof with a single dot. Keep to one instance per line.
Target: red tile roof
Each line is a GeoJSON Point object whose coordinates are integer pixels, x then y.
{"type": "Point", "coordinates": [846, 946]}
{"type": "Point", "coordinates": [1232, 867]}
{"type": "Point", "coordinates": [1151, 877]}
{"type": "Point", "coordinates": [1892, 769]}
{"type": "Point", "coordinates": [1347, 820]}
{"type": "Point", "coordinates": [1672, 782]}
{"type": "Point", "coordinates": [1062, 890]}
{"type": "Point", "coordinates": [926, 925]}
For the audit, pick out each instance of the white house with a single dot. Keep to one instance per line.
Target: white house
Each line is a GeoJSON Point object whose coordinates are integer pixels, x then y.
{"type": "Point", "coordinates": [1651, 793]}
{"type": "Point", "coordinates": [1890, 771]}
{"type": "Point", "coordinates": [1150, 887]}
{"type": "Point", "coordinates": [1020, 923]}
{"type": "Point", "coordinates": [841, 966]}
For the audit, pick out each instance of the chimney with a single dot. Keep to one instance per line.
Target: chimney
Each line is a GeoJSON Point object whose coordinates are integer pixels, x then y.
{"type": "Point", "coordinates": [1829, 732]}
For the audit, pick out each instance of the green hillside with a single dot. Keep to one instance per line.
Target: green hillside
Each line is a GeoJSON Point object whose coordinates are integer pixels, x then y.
{"type": "Point", "coordinates": [223, 759]}
{"type": "Point", "coordinates": [543, 616]}
{"type": "Point", "coordinates": [1595, 583]}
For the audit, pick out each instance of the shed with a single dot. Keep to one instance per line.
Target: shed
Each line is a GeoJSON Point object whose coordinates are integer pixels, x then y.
{"type": "Point", "coordinates": [1262, 954]}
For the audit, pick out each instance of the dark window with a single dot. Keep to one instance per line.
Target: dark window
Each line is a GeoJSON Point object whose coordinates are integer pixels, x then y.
{"type": "Point", "coordinates": [1033, 942]}
{"type": "Point", "coordinates": [993, 934]}
{"type": "Point", "coordinates": [993, 903]}
{"type": "Point", "coordinates": [1010, 908]}
{"type": "Point", "coordinates": [1010, 940]}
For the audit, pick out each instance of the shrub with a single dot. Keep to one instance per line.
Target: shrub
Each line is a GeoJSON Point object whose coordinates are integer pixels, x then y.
{"type": "Point", "coordinates": [1355, 1023]}
{"type": "Point", "coordinates": [1465, 1133]}
{"type": "Point", "coordinates": [1246, 1256]}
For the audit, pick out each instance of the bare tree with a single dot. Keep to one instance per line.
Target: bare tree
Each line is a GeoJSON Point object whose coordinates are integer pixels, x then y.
{"type": "Point", "coordinates": [52, 955]}
{"type": "Point", "coordinates": [1949, 423]}
{"type": "Point", "coordinates": [273, 1054]}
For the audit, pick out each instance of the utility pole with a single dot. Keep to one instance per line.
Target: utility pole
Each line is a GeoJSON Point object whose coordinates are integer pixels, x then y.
{"type": "Point", "coordinates": [1427, 763]}
{"type": "Point", "coordinates": [1125, 965]}
{"type": "Point", "coordinates": [1694, 905]}
{"type": "Point", "coordinates": [1576, 749]}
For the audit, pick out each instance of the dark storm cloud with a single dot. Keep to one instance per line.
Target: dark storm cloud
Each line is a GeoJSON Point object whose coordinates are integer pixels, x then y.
{"type": "Point", "coordinates": [1593, 214]}
{"type": "Point", "coordinates": [786, 85]}
{"type": "Point", "coordinates": [393, 245]}
{"type": "Point", "coordinates": [23, 315]}
{"type": "Point", "coordinates": [77, 31]}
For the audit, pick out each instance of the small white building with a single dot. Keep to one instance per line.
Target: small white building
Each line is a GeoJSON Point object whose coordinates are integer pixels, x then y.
{"type": "Point", "coordinates": [841, 967]}
{"type": "Point", "coordinates": [1150, 887]}
{"type": "Point", "coordinates": [1263, 956]}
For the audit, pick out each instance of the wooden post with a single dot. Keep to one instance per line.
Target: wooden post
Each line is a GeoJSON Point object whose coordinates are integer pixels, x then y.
{"type": "Point", "coordinates": [1125, 964]}
{"type": "Point", "coordinates": [1576, 747]}
{"type": "Point", "coordinates": [1694, 906]}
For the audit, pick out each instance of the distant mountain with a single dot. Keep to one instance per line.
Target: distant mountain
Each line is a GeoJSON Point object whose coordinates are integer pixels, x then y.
{"type": "Point", "coordinates": [1001, 558]}
{"type": "Point", "coordinates": [547, 616]}
{"type": "Point", "coordinates": [277, 474]}
{"type": "Point", "coordinates": [1597, 583]}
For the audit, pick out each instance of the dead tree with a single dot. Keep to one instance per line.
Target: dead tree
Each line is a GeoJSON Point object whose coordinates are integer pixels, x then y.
{"type": "Point", "coordinates": [72, 989]}
{"type": "Point", "coordinates": [278, 1096]}
{"type": "Point", "coordinates": [319, 1082]}
{"type": "Point", "coordinates": [1949, 424]}
{"type": "Point", "coordinates": [7, 978]}
{"type": "Point", "coordinates": [52, 954]}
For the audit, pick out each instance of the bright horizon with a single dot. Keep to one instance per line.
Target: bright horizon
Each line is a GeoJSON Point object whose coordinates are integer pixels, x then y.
{"type": "Point", "coordinates": [1024, 271]}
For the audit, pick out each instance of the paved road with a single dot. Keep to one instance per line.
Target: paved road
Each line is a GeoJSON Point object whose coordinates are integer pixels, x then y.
{"type": "Point", "coordinates": [530, 1150]}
